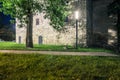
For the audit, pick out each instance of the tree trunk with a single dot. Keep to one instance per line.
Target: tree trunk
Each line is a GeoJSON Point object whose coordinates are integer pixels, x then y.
{"type": "Point", "coordinates": [29, 40]}
{"type": "Point", "coordinates": [118, 31]}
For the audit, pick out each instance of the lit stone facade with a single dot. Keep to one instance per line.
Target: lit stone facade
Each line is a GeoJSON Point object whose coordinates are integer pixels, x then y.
{"type": "Point", "coordinates": [43, 33]}
{"type": "Point", "coordinates": [94, 27]}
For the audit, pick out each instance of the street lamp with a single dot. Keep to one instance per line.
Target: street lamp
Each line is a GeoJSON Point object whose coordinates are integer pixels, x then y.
{"type": "Point", "coordinates": [76, 18]}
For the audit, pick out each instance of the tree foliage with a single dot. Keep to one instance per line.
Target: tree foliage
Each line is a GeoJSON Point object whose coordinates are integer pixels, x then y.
{"type": "Point", "coordinates": [56, 11]}
{"type": "Point", "coordinates": [114, 7]}
{"type": "Point", "coordinates": [20, 8]}
{"type": "Point", "coordinates": [23, 10]}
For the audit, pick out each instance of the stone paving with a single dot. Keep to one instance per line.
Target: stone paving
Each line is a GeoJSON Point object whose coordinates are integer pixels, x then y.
{"type": "Point", "coordinates": [58, 53]}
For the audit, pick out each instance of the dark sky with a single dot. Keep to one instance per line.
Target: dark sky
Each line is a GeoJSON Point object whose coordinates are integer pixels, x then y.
{"type": "Point", "coordinates": [4, 19]}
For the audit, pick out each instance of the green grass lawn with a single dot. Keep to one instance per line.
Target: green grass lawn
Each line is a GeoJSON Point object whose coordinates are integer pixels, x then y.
{"type": "Point", "coordinates": [15, 46]}
{"type": "Point", "coordinates": [51, 67]}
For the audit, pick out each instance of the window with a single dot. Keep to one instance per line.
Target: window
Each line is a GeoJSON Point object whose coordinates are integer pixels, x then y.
{"type": "Point", "coordinates": [66, 19]}
{"type": "Point", "coordinates": [37, 21]}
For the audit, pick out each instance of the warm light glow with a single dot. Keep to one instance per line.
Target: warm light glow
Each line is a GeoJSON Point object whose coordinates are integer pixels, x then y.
{"type": "Point", "coordinates": [112, 36]}
{"type": "Point", "coordinates": [76, 15]}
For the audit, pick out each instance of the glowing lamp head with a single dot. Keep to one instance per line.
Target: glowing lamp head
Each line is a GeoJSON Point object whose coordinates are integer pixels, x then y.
{"type": "Point", "coordinates": [76, 15]}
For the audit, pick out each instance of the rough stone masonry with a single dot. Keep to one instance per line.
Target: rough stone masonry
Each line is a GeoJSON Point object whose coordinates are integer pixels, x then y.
{"type": "Point", "coordinates": [95, 26]}
{"type": "Point", "coordinates": [43, 32]}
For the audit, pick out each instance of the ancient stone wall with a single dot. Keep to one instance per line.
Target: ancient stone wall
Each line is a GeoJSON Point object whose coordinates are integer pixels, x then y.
{"type": "Point", "coordinates": [43, 33]}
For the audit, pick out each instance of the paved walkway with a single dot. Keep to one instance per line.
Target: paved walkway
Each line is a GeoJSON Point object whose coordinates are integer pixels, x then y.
{"type": "Point", "coordinates": [58, 53]}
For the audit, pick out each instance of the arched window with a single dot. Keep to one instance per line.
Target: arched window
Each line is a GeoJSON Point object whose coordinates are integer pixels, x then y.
{"type": "Point", "coordinates": [40, 40]}
{"type": "Point", "coordinates": [19, 39]}
{"type": "Point", "coordinates": [37, 21]}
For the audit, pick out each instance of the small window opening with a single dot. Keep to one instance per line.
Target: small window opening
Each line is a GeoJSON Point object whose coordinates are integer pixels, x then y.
{"type": "Point", "coordinates": [37, 21]}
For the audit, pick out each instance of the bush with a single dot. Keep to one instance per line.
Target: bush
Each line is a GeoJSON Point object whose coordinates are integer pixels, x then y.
{"type": "Point", "coordinates": [100, 39]}
{"type": "Point", "coordinates": [7, 35]}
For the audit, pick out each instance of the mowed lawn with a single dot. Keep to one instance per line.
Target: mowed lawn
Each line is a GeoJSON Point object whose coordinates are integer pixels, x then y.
{"type": "Point", "coordinates": [15, 46]}
{"type": "Point", "coordinates": [51, 67]}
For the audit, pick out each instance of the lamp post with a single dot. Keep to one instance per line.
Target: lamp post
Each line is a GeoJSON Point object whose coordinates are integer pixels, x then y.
{"type": "Point", "coordinates": [76, 18]}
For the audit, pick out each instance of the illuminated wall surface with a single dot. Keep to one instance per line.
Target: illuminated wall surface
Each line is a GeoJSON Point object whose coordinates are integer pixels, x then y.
{"type": "Point", "coordinates": [93, 18]}
{"type": "Point", "coordinates": [43, 33]}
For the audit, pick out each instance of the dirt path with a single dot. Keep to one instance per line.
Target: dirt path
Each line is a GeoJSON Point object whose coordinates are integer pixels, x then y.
{"type": "Point", "coordinates": [58, 53]}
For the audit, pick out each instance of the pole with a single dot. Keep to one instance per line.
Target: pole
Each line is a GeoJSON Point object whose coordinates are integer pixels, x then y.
{"type": "Point", "coordinates": [76, 34]}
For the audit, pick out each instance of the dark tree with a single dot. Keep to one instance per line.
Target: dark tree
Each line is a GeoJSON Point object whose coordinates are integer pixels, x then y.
{"type": "Point", "coordinates": [114, 9]}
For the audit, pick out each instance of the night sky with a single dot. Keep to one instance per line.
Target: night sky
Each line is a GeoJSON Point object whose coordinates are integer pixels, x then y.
{"type": "Point", "coordinates": [4, 19]}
